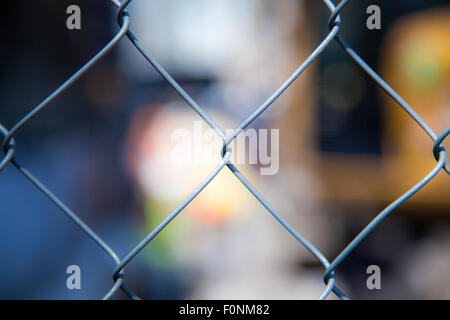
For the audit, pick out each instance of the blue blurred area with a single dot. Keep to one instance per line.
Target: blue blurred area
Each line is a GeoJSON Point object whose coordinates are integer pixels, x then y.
{"type": "Point", "coordinates": [76, 149]}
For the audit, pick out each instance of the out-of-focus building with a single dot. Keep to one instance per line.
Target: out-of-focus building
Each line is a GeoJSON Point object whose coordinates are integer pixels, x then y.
{"type": "Point", "coordinates": [414, 59]}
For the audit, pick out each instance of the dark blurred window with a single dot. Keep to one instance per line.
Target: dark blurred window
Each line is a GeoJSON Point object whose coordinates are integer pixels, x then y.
{"type": "Point", "coordinates": [349, 117]}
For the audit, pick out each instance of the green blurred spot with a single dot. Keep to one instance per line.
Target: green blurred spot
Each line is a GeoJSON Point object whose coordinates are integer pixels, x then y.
{"type": "Point", "coordinates": [422, 70]}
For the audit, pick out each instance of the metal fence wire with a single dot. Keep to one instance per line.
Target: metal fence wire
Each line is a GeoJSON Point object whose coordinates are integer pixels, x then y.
{"type": "Point", "coordinates": [329, 277]}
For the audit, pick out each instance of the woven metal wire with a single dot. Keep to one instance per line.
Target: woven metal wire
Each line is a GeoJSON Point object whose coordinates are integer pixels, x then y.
{"type": "Point", "coordinates": [329, 277]}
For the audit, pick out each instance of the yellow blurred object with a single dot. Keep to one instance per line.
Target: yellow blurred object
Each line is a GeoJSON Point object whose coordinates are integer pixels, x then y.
{"type": "Point", "coordinates": [417, 66]}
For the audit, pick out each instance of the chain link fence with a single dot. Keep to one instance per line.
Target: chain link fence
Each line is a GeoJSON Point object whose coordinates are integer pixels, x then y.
{"type": "Point", "coordinates": [329, 277]}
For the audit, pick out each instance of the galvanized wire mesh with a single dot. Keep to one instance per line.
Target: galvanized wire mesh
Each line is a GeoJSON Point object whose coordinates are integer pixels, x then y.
{"type": "Point", "coordinates": [329, 276]}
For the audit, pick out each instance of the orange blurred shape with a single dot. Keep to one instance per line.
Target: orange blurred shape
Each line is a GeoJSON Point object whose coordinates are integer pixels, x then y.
{"type": "Point", "coordinates": [416, 64]}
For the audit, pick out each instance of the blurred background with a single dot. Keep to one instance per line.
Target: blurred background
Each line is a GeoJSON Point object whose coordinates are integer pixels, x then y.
{"type": "Point", "coordinates": [103, 146]}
